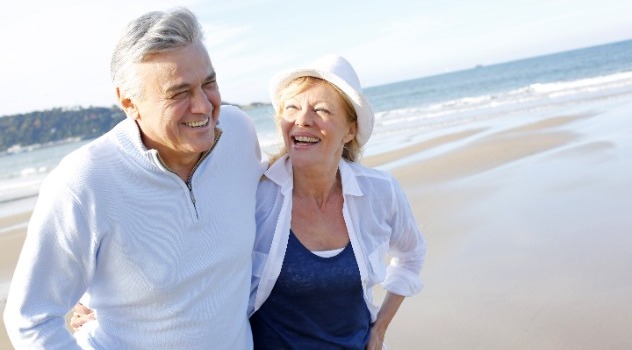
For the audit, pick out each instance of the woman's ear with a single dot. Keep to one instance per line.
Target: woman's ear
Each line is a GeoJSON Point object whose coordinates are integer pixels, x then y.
{"type": "Point", "coordinates": [351, 133]}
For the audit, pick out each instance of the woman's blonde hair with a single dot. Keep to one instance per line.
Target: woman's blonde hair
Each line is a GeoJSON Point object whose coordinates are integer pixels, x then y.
{"type": "Point", "coordinates": [352, 149]}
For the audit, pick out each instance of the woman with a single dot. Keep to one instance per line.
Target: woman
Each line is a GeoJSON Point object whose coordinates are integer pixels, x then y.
{"type": "Point", "coordinates": [325, 223]}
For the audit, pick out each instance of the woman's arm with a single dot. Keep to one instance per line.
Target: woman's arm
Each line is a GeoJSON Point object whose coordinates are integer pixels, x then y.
{"type": "Point", "coordinates": [389, 307]}
{"type": "Point", "coordinates": [407, 248]}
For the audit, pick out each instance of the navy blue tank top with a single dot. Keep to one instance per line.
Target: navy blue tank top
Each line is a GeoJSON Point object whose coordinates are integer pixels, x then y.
{"type": "Point", "coordinates": [316, 303]}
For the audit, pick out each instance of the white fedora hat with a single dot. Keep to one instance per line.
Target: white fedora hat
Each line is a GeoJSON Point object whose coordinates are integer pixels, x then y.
{"type": "Point", "coordinates": [338, 71]}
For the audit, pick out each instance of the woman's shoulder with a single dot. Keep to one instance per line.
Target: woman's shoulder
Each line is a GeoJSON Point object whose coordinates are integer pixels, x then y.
{"type": "Point", "coordinates": [374, 181]}
{"type": "Point", "coordinates": [267, 187]}
{"type": "Point", "coordinates": [374, 174]}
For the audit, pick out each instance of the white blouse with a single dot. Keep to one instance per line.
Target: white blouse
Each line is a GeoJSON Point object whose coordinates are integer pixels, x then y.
{"type": "Point", "coordinates": [378, 218]}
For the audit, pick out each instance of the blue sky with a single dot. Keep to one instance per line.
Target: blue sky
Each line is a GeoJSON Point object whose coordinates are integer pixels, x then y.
{"type": "Point", "coordinates": [56, 53]}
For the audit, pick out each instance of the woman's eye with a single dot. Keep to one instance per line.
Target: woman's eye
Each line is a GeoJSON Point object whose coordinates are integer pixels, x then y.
{"type": "Point", "coordinates": [322, 110]}
{"type": "Point", "coordinates": [290, 107]}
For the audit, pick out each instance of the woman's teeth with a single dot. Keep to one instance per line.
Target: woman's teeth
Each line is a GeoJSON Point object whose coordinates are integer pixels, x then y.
{"type": "Point", "coordinates": [305, 139]}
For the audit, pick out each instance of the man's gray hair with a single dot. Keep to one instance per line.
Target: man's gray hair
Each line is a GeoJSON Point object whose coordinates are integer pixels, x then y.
{"type": "Point", "coordinates": [153, 32]}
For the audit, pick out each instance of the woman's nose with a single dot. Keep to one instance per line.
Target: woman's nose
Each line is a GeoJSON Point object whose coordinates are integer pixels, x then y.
{"type": "Point", "coordinates": [304, 118]}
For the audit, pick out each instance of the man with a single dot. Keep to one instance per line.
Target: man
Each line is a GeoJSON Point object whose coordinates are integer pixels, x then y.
{"type": "Point", "coordinates": [152, 223]}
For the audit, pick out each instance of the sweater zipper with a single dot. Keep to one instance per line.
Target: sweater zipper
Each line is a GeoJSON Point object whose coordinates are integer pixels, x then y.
{"type": "Point", "coordinates": [189, 183]}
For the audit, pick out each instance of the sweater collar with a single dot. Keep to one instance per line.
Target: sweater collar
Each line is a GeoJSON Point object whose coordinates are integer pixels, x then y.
{"type": "Point", "coordinates": [281, 173]}
{"type": "Point", "coordinates": [130, 138]}
{"type": "Point", "coordinates": [131, 142]}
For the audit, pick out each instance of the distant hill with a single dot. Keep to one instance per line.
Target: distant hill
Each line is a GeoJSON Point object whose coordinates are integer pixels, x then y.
{"type": "Point", "coordinates": [23, 131]}
{"type": "Point", "coordinates": [56, 125]}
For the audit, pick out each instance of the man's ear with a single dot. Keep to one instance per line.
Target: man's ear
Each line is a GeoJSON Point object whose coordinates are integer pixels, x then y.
{"type": "Point", "coordinates": [127, 104]}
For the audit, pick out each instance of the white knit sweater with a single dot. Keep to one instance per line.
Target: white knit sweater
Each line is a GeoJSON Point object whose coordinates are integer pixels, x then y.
{"type": "Point", "coordinates": [165, 267]}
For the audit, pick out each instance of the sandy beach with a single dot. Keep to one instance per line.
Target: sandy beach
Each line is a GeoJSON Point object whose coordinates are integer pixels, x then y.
{"type": "Point", "coordinates": [527, 220]}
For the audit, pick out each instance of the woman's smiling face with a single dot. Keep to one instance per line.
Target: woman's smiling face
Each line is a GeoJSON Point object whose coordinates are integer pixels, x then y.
{"type": "Point", "coordinates": [315, 126]}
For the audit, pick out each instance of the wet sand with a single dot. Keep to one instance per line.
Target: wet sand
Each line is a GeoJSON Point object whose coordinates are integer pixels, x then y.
{"type": "Point", "coordinates": [528, 224]}
{"type": "Point", "coordinates": [528, 227]}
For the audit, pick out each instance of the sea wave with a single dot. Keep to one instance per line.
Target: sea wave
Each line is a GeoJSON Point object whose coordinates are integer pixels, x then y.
{"type": "Point", "coordinates": [28, 172]}
{"type": "Point", "coordinates": [529, 97]}
{"type": "Point", "coordinates": [15, 189]}
{"type": "Point", "coordinates": [576, 86]}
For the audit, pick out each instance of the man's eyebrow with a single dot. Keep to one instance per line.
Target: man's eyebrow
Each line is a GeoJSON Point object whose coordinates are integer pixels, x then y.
{"type": "Point", "coordinates": [178, 87]}
{"type": "Point", "coordinates": [184, 86]}
{"type": "Point", "coordinates": [211, 77]}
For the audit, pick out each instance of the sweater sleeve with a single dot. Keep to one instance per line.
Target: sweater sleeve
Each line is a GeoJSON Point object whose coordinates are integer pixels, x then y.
{"type": "Point", "coordinates": [407, 248]}
{"type": "Point", "coordinates": [52, 273]}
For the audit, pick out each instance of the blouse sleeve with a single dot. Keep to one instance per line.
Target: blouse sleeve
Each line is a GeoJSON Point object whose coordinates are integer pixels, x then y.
{"type": "Point", "coordinates": [407, 248]}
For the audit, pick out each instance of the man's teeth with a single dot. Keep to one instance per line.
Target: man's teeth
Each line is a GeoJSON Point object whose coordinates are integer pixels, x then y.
{"type": "Point", "coordinates": [305, 139]}
{"type": "Point", "coordinates": [197, 124]}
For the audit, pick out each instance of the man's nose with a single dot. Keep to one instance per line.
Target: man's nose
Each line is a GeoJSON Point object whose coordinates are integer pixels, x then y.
{"type": "Point", "coordinates": [200, 103]}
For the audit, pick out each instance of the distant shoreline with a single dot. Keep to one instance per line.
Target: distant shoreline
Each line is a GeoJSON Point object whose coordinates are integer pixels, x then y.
{"type": "Point", "coordinates": [17, 149]}
{"type": "Point", "coordinates": [247, 106]}
{"type": "Point", "coordinates": [102, 119]}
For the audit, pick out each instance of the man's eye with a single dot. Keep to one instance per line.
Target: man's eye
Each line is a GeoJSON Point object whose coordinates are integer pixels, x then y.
{"type": "Point", "coordinates": [179, 95]}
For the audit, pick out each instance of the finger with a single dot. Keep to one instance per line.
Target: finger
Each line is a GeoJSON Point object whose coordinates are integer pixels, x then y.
{"type": "Point", "coordinates": [81, 309]}
{"type": "Point", "coordinates": [74, 322]}
{"type": "Point", "coordinates": [78, 320]}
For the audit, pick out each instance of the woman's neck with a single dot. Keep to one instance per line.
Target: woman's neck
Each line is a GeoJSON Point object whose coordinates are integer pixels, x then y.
{"type": "Point", "coordinates": [317, 184]}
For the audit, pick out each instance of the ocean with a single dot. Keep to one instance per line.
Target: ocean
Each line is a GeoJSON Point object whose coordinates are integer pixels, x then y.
{"type": "Point", "coordinates": [409, 108]}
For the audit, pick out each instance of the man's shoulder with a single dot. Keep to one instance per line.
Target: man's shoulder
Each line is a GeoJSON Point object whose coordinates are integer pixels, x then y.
{"type": "Point", "coordinates": [233, 116]}
{"type": "Point", "coordinates": [90, 159]}
{"type": "Point", "coordinates": [237, 125]}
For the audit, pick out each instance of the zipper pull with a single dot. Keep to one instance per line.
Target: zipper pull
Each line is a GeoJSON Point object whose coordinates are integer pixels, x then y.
{"type": "Point", "coordinates": [191, 192]}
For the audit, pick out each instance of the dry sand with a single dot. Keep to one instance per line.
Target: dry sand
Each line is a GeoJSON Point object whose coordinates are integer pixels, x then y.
{"type": "Point", "coordinates": [528, 227]}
